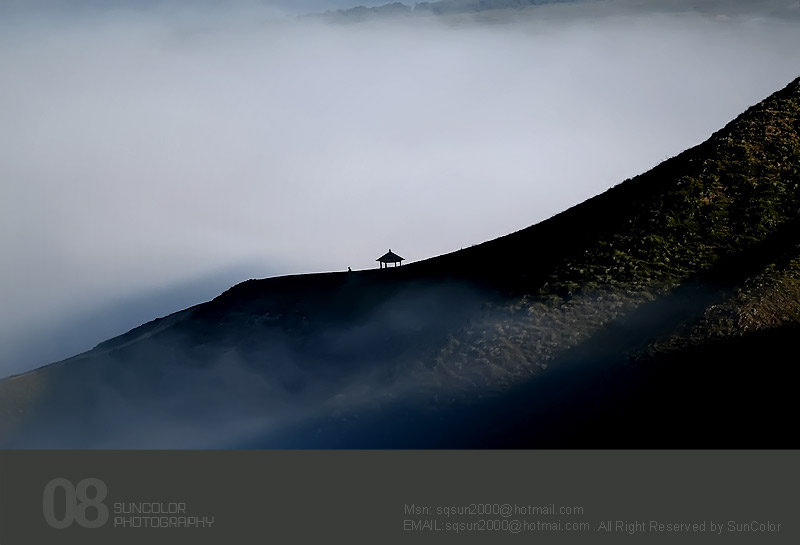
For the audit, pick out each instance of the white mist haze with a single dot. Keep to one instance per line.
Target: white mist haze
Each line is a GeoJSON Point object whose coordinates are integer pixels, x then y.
{"type": "Point", "coordinates": [142, 151]}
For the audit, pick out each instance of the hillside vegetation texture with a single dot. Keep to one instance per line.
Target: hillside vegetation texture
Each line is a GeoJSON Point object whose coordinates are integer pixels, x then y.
{"type": "Point", "coordinates": [722, 215]}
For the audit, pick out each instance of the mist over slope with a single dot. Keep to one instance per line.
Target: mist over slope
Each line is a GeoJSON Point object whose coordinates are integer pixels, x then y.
{"type": "Point", "coordinates": [678, 284]}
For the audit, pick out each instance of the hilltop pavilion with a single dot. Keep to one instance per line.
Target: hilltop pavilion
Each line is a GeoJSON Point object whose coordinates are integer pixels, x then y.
{"type": "Point", "coordinates": [390, 257]}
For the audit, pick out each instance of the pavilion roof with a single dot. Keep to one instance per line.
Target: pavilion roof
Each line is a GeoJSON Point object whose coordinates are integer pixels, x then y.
{"type": "Point", "coordinates": [390, 257]}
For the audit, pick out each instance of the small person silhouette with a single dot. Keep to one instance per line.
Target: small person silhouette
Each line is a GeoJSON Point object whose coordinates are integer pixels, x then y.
{"type": "Point", "coordinates": [349, 269]}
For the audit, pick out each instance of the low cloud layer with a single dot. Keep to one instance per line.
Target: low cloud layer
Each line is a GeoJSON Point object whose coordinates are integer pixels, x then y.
{"type": "Point", "coordinates": [143, 150]}
{"type": "Point", "coordinates": [272, 387]}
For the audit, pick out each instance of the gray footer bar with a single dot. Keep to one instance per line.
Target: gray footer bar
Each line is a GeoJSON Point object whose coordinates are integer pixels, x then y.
{"type": "Point", "coordinates": [354, 497]}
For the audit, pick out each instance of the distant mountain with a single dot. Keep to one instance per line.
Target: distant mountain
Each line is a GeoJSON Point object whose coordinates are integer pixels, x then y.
{"type": "Point", "coordinates": [780, 9]}
{"type": "Point", "coordinates": [440, 7]}
{"type": "Point", "coordinates": [661, 313]}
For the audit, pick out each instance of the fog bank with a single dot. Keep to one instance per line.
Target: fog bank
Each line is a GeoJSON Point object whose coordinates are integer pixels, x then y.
{"type": "Point", "coordinates": [140, 150]}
